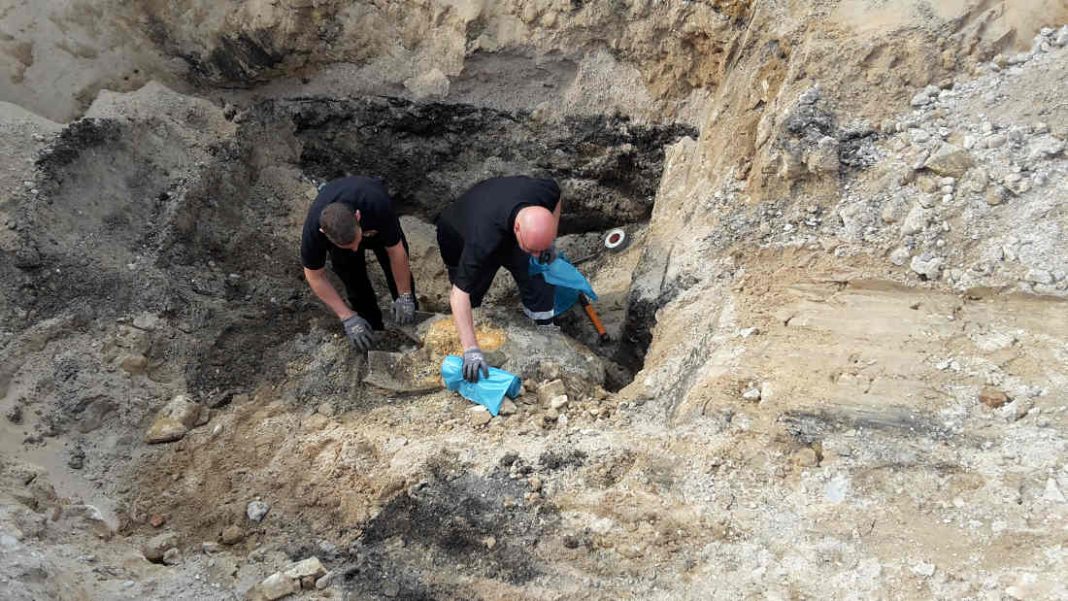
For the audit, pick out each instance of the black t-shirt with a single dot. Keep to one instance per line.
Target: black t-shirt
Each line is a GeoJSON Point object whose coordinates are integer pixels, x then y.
{"type": "Point", "coordinates": [485, 215]}
{"type": "Point", "coordinates": [380, 224]}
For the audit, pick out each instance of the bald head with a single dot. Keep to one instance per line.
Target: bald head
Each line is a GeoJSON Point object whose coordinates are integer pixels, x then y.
{"type": "Point", "coordinates": [535, 229]}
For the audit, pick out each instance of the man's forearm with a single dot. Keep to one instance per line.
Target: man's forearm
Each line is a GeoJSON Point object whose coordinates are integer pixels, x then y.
{"type": "Point", "coordinates": [460, 302]}
{"type": "Point", "coordinates": [326, 293]}
{"type": "Point", "coordinates": [401, 267]}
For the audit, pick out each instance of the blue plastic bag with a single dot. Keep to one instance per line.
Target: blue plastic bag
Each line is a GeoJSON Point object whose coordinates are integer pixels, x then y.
{"type": "Point", "coordinates": [568, 280]}
{"type": "Point", "coordinates": [488, 392]}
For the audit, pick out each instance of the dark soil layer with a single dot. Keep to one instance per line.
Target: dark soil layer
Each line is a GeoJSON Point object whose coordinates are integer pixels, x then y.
{"type": "Point", "coordinates": [608, 167]}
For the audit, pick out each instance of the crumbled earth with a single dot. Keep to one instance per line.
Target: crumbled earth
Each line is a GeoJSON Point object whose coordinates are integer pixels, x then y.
{"type": "Point", "coordinates": [837, 331]}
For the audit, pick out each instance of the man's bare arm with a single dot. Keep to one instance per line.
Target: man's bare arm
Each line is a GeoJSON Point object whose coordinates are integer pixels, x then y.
{"type": "Point", "coordinates": [323, 289]}
{"type": "Point", "coordinates": [460, 302]}
{"type": "Point", "coordinates": [401, 267]}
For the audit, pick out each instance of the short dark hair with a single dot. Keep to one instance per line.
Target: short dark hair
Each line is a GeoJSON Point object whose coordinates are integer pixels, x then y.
{"type": "Point", "coordinates": [338, 222]}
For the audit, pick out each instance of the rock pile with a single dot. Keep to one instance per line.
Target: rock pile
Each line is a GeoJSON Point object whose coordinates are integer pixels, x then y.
{"type": "Point", "coordinates": [305, 574]}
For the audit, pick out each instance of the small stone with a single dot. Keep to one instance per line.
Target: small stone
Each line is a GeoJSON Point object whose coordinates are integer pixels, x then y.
{"type": "Point", "coordinates": [915, 221]}
{"type": "Point", "coordinates": [508, 407]}
{"type": "Point", "coordinates": [552, 414]}
{"type": "Point", "coordinates": [996, 140]}
{"type": "Point", "coordinates": [558, 402]}
{"type": "Point", "coordinates": [148, 322]}
{"type": "Point", "coordinates": [305, 567]}
{"type": "Point", "coordinates": [156, 520]}
{"type": "Point", "coordinates": [752, 393]}
{"type": "Point", "coordinates": [550, 390]}
{"type": "Point", "coordinates": [899, 256]}
{"type": "Point", "coordinates": [950, 160]}
{"type": "Point", "coordinates": [77, 458]}
{"type": "Point", "coordinates": [307, 583]}
{"type": "Point", "coordinates": [231, 535]}
{"type": "Point", "coordinates": [927, 265]}
{"type": "Point", "coordinates": [921, 99]}
{"type": "Point", "coordinates": [257, 510]}
{"type": "Point", "coordinates": [155, 547]}
{"type": "Point", "coordinates": [1061, 37]}
{"type": "Point", "coordinates": [325, 580]}
{"type": "Point", "coordinates": [326, 409]}
{"type": "Point", "coordinates": [805, 457]}
{"type": "Point", "coordinates": [478, 416]}
{"type": "Point", "coordinates": [490, 542]}
{"type": "Point", "coordinates": [210, 547]}
{"type": "Point", "coordinates": [275, 586]}
{"type": "Point", "coordinates": [534, 483]}
{"type": "Point", "coordinates": [391, 589]}
{"type": "Point", "coordinates": [996, 195]}
{"type": "Point", "coordinates": [14, 415]}
{"type": "Point", "coordinates": [924, 569]}
{"type": "Point", "coordinates": [992, 397]}
{"type": "Point", "coordinates": [172, 557]}
{"type": "Point", "coordinates": [173, 420]}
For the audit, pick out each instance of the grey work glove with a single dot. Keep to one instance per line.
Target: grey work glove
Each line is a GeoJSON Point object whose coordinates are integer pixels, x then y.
{"type": "Point", "coordinates": [404, 309]}
{"type": "Point", "coordinates": [475, 362]}
{"type": "Point", "coordinates": [359, 332]}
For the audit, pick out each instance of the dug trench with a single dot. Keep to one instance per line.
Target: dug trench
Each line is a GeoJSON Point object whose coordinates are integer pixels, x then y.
{"type": "Point", "coordinates": [181, 228]}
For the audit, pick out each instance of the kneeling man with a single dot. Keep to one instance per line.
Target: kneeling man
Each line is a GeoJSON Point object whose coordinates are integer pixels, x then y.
{"type": "Point", "coordinates": [350, 216]}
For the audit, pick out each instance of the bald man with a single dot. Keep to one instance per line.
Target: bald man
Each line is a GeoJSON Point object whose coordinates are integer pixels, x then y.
{"type": "Point", "coordinates": [500, 222]}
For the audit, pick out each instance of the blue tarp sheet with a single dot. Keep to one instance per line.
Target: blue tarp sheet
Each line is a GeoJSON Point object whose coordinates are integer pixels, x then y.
{"type": "Point", "coordinates": [568, 280]}
{"type": "Point", "coordinates": [488, 392]}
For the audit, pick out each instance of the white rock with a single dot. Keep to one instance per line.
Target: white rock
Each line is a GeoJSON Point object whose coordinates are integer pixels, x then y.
{"type": "Point", "coordinates": [751, 394]}
{"type": "Point", "coordinates": [276, 586]}
{"type": "Point", "coordinates": [146, 321]}
{"type": "Point", "coordinates": [325, 581]}
{"type": "Point", "coordinates": [899, 256]}
{"type": "Point", "coordinates": [921, 99]}
{"type": "Point", "coordinates": [1061, 37]}
{"type": "Point", "coordinates": [305, 567]}
{"type": "Point", "coordinates": [549, 390]}
{"type": "Point", "coordinates": [923, 569]}
{"type": "Point", "coordinates": [173, 421]}
{"type": "Point", "coordinates": [1053, 492]}
{"type": "Point", "coordinates": [257, 510]}
{"type": "Point", "coordinates": [915, 221]}
{"type": "Point", "coordinates": [928, 265]}
{"type": "Point", "coordinates": [558, 402]}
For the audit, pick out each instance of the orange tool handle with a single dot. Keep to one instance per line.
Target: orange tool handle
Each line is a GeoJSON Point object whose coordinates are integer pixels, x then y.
{"type": "Point", "coordinates": [595, 319]}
